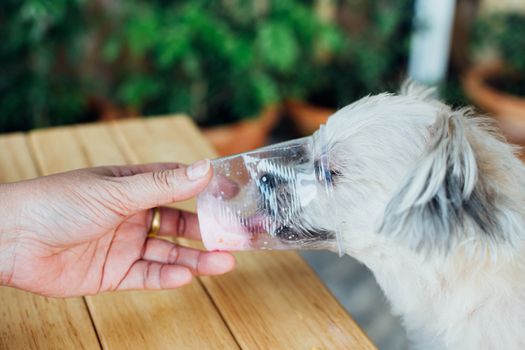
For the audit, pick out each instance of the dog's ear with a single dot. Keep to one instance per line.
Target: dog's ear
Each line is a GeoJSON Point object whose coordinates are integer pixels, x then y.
{"type": "Point", "coordinates": [443, 192]}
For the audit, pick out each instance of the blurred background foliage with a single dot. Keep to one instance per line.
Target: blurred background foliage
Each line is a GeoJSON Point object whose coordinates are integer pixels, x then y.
{"type": "Point", "coordinates": [502, 34]}
{"type": "Point", "coordinates": [70, 61]}
{"type": "Point", "coordinates": [375, 54]}
{"type": "Point", "coordinates": [73, 61]}
{"type": "Point", "coordinates": [214, 58]}
{"type": "Point", "coordinates": [39, 56]}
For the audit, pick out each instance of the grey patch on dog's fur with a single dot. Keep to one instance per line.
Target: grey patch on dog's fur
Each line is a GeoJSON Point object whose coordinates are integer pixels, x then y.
{"type": "Point", "coordinates": [480, 207]}
{"type": "Point", "coordinates": [444, 194]}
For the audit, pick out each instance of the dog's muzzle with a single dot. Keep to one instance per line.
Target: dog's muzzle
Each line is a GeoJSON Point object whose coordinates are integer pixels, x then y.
{"type": "Point", "coordinates": [269, 198]}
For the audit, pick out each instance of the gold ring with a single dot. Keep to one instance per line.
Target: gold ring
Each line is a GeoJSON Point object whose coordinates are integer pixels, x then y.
{"type": "Point", "coordinates": [155, 222]}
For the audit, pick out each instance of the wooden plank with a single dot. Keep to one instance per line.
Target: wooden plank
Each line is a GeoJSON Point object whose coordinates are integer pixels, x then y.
{"type": "Point", "coordinates": [178, 319]}
{"type": "Point", "coordinates": [273, 300]}
{"type": "Point", "coordinates": [184, 318]}
{"type": "Point", "coordinates": [15, 160]}
{"type": "Point", "coordinates": [56, 150]}
{"type": "Point", "coordinates": [140, 131]}
{"type": "Point", "coordinates": [193, 136]}
{"type": "Point", "coordinates": [30, 321]}
{"type": "Point", "coordinates": [34, 322]}
{"type": "Point", "coordinates": [278, 295]}
{"type": "Point", "coordinates": [105, 152]}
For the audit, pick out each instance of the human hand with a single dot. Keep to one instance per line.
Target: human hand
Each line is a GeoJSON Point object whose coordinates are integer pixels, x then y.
{"type": "Point", "coordinates": [85, 231]}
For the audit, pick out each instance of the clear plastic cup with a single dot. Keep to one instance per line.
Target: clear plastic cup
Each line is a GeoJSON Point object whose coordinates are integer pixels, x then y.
{"type": "Point", "coordinates": [267, 198]}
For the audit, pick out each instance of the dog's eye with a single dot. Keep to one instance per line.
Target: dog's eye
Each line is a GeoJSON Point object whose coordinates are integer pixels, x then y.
{"type": "Point", "coordinates": [329, 174]}
{"type": "Point", "coordinates": [269, 181]}
{"type": "Point", "coordinates": [334, 173]}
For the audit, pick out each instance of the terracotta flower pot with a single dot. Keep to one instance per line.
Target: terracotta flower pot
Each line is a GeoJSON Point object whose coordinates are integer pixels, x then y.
{"type": "Point", "coordinates": [244, 135]}
{"type": "Point", "coordinates": [106, 110]}
{"type": "Point", "coordinates": [307, 117]}
{"type": "Point", "coordinates": [509, 110]}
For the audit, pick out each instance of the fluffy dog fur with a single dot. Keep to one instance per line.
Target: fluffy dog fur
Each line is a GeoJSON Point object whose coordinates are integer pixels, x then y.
{"type": "Point", "coordinates": [434, 205]}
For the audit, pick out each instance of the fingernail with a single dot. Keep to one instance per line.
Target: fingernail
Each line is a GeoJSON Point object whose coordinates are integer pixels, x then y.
{"type": "Point", "coordinates": [198, 170]}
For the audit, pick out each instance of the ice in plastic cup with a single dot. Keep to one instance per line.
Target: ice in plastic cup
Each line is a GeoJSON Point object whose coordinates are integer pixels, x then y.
{"type": "Point", "coordinates": [269, 198]}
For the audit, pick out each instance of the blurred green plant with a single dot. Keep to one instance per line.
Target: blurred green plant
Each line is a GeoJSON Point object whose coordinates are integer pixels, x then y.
{"type": "Point", "coordinates": [219, 61]}
{"type": "Point", "coordinates": [39, 54]}
{"type": "Point", "coordinates": [451, 91]}
{"type": "Point", "coordinates": [375, 53]}
{"type": "Point", "coordinates": [504, 33]}
{"type": "Point", "coordinates": [227, 58]}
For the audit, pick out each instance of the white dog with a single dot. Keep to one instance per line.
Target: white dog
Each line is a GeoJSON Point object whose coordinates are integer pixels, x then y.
{"type": "Point", "coordinates": [434, 204]}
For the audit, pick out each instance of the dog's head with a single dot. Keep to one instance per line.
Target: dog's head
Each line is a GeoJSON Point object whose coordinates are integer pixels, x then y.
{"type": "Point", "coordinates": [408, 170]}
{"type": "Point", "coordinates": [292, 183]}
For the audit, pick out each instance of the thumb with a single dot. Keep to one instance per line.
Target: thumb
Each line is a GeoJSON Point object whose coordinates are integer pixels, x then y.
{"type": "Point", "coordinates": [152, 189]}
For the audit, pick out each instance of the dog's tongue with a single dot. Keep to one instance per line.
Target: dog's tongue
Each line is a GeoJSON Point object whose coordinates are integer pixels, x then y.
{"type": "Point", "coordinates": [256, 224]}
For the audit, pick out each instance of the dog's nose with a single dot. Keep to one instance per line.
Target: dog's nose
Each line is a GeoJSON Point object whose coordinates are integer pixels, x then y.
{"type": "Point", "coordinates": [286, 233]}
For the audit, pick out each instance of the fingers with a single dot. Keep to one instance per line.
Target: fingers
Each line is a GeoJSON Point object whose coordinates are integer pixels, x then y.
{"type": "Point", "coordinates": [153, 275]}
{"type": "Point", "coordinates": [199, 262]}
{"type": "Point", "coordinates": [167, 266]}
{"type": "Point", "coordinates": [151, 189]}
{"type": "Point", "coordinates": [177, 223]}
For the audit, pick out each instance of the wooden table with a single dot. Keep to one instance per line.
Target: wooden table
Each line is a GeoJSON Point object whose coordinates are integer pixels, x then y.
{"type": "Point", "coordinates": [272, 301]}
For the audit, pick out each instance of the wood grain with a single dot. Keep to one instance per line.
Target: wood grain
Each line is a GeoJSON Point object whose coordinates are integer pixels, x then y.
{"type": "Point", "coordinates": [16, 163]}
{"type": "Point", "coordinates": [29, 321]}
{"type": "Point", "coordinates": [179, 140]}
{"type": "Point", "coordinates": [273, 300]}
{"type": "Point", "coordinates": [184, 318]}
{"type": "Point", "coordinates": [33, 322]}
{"type": "Point", "coordinates": [56, 150]}
{"type": "Point", "coordinates": [179, 319]}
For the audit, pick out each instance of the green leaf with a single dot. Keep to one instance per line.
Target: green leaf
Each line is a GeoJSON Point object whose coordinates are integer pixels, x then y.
{"type": "Point", "coordinates": [277, 45]}
{"type": "Point", "coordinates": [330, 40]}
{"type": "Point", "coordinates": [387, 20]}
{"type": "Point", "coordinates": [173, 45]}
{"type": "Point", "coordinates": [137, 90]}
{"type": "Point", "coordinates": [266, 89]}
{"type": "Point", "coordinates": [111, 49]}
{"type": "Point", "coordinates": [142, 30]}
{"type": "Point", "coordinates": [191, 65]}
